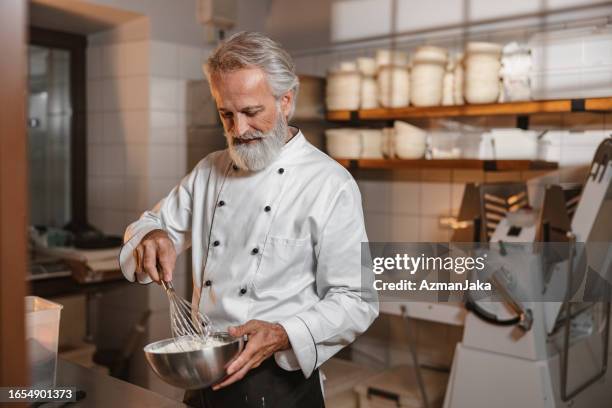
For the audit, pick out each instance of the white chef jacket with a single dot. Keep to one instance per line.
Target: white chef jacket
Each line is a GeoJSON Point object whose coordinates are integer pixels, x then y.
{"type": "Point", "coordinates": [282, 245]}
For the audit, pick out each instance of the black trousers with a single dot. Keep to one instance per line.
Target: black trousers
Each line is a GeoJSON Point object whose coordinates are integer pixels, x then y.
{"type": "Point", "coordinates": [267, 386]}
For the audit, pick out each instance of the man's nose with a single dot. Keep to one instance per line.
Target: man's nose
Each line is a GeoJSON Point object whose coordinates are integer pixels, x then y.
{"type": "Point", "coordinates": [241, 125]}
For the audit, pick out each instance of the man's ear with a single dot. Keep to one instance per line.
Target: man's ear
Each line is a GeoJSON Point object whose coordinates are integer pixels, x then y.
{"type": "Point", "coordinates": [286, 102]}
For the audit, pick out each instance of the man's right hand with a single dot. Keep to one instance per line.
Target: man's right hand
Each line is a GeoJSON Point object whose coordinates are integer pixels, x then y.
{"type": "Point", "coordinates": [155, 256]}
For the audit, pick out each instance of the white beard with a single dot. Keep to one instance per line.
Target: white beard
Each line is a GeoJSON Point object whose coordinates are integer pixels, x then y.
{"type": "Point", "coordinates": [258, 155]}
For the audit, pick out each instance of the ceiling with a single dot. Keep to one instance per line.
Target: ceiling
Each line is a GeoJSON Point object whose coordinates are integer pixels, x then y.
{"type": "Point", "coordinates": [79, 17]}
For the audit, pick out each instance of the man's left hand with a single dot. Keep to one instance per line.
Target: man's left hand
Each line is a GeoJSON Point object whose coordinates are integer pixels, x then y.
{"type": "Point", "coordinates": [264, 339]}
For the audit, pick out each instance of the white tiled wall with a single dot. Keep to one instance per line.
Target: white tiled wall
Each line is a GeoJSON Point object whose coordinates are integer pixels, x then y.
{"type": "Point", "coordinates": [117, 104]}
{"type": "Point", "coordinates": [137, 125]}
{"type": "Point", "coordinates": [405, 211]}
{"type": "Point", "coordinates": [407, 208]}
{"type": "Point", "coordinates": [353, 20]}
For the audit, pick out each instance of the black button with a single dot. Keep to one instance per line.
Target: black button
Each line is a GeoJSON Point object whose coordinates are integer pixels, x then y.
{"type": "Point", "coordinates": [208, 283]}
{"type": "Point", "coordinates": [216, 243]}
{"type": "Point", "coordinates": [267, 208]}
{"type": "Point", "coordinates": [243, 291]}
{"type": "Point", "coordinates": [234, 167]}
{"type": "Point", "coordinates": [281, 170]}
{"type": "Point", "coordinates": [221, 203]}
{"type": "Point", "coordinates": [255, 250]}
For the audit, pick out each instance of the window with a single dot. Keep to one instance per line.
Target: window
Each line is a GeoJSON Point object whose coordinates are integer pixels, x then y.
{"type": "Point", "coordinates": [56, 130]}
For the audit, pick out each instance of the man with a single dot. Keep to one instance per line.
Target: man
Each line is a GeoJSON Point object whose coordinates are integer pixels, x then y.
{"type": "Point", "coordinates": [276, 228]}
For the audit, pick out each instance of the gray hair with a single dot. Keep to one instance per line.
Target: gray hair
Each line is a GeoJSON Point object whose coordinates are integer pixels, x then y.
{"type": "Point", "coordinates": [252, 49]}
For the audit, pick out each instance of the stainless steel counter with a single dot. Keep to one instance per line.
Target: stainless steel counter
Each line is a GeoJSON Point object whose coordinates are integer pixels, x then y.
{"type": "Point", "coordinates": [106, 391]}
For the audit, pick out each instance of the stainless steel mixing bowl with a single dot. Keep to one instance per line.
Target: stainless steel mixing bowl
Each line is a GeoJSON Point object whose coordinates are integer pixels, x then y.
{"type": "Point", "coordinates": [194, 369]}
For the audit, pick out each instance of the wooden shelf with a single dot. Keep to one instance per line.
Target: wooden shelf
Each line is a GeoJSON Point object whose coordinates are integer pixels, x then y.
{"type": "Point", "coordinates": [456, 164]}
{"type": "Point", "coordinates": [493, 109]}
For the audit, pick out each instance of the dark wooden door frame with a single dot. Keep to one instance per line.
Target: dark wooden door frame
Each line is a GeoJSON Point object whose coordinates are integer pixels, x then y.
{"type": "Point", "coordinates": [13, 192]}
{"type": "Point", "coordinates": [76, 45]}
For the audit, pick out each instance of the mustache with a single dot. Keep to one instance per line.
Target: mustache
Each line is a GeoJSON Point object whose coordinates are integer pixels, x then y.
{"type": "Point", "coordinates": [236, 139]}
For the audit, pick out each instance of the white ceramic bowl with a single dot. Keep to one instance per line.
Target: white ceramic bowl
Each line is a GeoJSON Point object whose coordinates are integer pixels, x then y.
{"type": "Point", "coordinates": [410, 141]}
{"type": "Point", "coordinates": [409, 133]}
{"type": "Point", "coordinates": [371, 141]}
{"type": "Point", "coordinates": [410, 151]}
{"type": "Point", "coordinates": [343, 90]}
{"type": "Point", "coordinates": [344, 143]}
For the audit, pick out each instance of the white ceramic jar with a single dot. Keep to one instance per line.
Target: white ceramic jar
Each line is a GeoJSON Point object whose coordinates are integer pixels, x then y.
{"type": "Point", "coordinates": [343, 90]}
{"type": "Point", "coordinates": [482, 66]}
{"type": "Point", "coordinates": [369, 93]}
{"type": "Point", "coordinates": [427, 76]}
{"type": "Point", "coordinates": [393, 86]}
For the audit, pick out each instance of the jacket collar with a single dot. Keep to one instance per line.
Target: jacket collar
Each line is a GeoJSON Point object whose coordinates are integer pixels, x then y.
{"type": "Point", "coordinates": [292, 148]}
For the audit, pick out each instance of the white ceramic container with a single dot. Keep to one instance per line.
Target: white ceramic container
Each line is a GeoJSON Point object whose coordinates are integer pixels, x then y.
{"type": "Point", "coordinates": [427, 76]}
{"type": "Point", "coordinates": [482, 66]}
{"type": "Point", "coordinates": [393, 86]}
{"type": "Point", "coordinates": [410, 141]}
{"type": "Point", "coordinates": [343, 90]}
{"type": "Point", "coordinates": [344, 143]}
{"type": "Point", "coordinates": [369, 93]}
{"type": "Point", "coordinates": [371, 142]}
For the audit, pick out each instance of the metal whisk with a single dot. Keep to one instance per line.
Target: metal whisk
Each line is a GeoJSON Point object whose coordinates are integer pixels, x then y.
{"type": "Point", "coordinates": [185, 320]}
